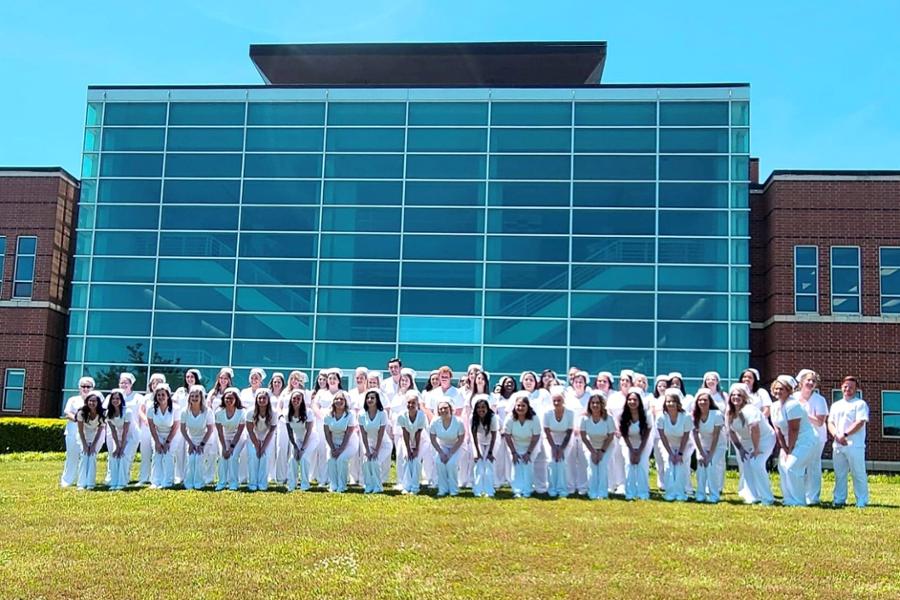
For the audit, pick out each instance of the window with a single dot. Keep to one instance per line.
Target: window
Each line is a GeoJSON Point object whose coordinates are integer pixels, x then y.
{"type": "Point", "coordinates": [14, 390]}
{"type": "Point", "coordinates": [845, 282]}
{"type": "Point", "coordinates": [890, 280]}
{"type": "Point", "coordinates": [23, 282]}
{"type": "Point", "coordinates": [890, 414]}
{"type": "Point", "coordinates": [2, 259]}
{"type": "Point", "coordinates": [806, 279]}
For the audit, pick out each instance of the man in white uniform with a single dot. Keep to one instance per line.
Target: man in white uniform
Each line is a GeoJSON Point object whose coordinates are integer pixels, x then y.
{"type": "Point", "coordinates": [847, 423]}
{"type": "Point", "coordinates": [390, 386]}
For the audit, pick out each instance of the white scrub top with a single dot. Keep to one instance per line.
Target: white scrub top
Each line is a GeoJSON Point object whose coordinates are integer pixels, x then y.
{"type": "Point", "coordinates": [484, 432]}
{"type": "Point", "coordinates": [782, 412]}
{"type": "Point", "coordinates": [708, 427]}
{"type": "Point", "coordinates": [298, 428]}
{"type": "Point", "coordinates": [615, 405]}
{"type": "Point", "coordinates": [260, 426]}
{"type": "Point", "coordinates": [761, 399]}
{"type": "Point", "coordinates": [412, 425]}
{"type": "Point", "coordinates": [752, 415]}
{"type": "Point", "coordinates": [540, 401]}
{"type": "Point", "coordinates": [558, 428]}
{"type": "Point", "coordinates": [575, 403]}
{"type": "Point", "coordinates": [597, 430]}
{"type": "Point", "coordinates": [229, 426]}
{"type": "Point", "coordinates": [452, 395]}
{"type": "Point", "coordinates": [338, 427]}
{"type": "Point", "coordinates": [196, 425]}
{"type": "Point", "coordinates": [356, 398]}
{"type": "Point", "coordinates": [446, 437]}
{"type": "Point", "coordinates": [119, 422]}
{"type": "Point", "coordinates": [816, 406]}
{"type": "Point", "coordinates": [164, 421]}
{"type": "Point", "coordinates": [90, 426]}
{"type": "Point", "coordinates": [674, 431]}
{"type": "Point", "coordinates": [73, 405]}
{"type": "Point", "coordinates": [372, 425]}
{"type": "Point", "coordinates": [844, 414]}
{"type": "Point", "coordinates": [521, 433]}
{"type": "Point", "coordinates": [634, 434]}
{"type": "Point", "coordinates": [248, 397]}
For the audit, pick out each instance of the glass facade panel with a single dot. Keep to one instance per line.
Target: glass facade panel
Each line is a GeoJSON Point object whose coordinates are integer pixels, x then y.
{"type": "Point", "coordinates": [517, 233]}
{"type": "Point", "coordinates": [889, 262]}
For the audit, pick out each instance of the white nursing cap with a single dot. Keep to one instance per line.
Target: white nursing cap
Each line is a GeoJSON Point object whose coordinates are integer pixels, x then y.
{"type": "Point", "coordinates": [233, 390]}
{"type": "Point", "coordinates": [605, 374]}
{"type": "Point", "coordinates": [738, 387]}
{"type": "Point", "coordinates": [675, 374]}
{"type": "Point", "coordinates": [87, 381]}
{"type": "Point", "coordinates": [408, 371]}
{"type": "Point", "coordinates": [157, 377]}
{"type": "Point", "coordinates": [227, 371]}
{"type": "Point", "coordinates": [475, 367]}
{"type": "Point", "coordinates": [635, 390]}
{"type": "Point", "coordinates": [524, 373]}
{"type": "Point", "coordinates": [370, 374]}
{"type": "Point", "coordinates": [335, 371]}
{"type": "Point", "coordinates": [162, 386]}
{"type": "Point", "coordinates": [804, 373]}
{"type": "Point", "coordinates": [754, 371]}
{"type": "Point", "coordinates": [197, 388]}
{"type": "Point", "coordinates": [277, 374]}
{"type": "Point", "coordinates": [263, 391]}
{"type": "Point", "coordinates": [788, 381]}
{"type": "Point", "coordinates": [709, 374]}
{"type": "Point", "coordinates": [626, 373]}
{"type": "Point", "coordinates": [583, 374]}
{"type": "Point", "coordinates": [197, 375]}
{"type": "Point", "coordinates": [674, 391]}
{"type": "Point", "coordinates": [361, 371]}
{"type": "Point", "coordinates": [128, 376]}
{"type": "Point", "coordinates": [665, 378]}
{"type": "Point", "coordinates": [258, 371]}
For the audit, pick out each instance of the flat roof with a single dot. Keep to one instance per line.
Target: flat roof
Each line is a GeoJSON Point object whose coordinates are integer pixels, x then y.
{"type": "Point", "coordinates": [453, 64]}
{"type": "Point", "coordinates": [38, 172]}
{"type": "Point", "coordinates": [828, 175]}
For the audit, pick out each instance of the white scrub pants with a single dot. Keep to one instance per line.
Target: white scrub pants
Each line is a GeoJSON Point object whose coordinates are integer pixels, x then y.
{"type": "Point", "coordinates": [179, 455]}
{"type": "Point", "coordinates": [677, 477]}
{"type": "Point", "coordinates": [524, 475]}
{"type": "Point", "coordinates": [87, 469]}
{"type": "Point", "coordinates": [711, 479]}
{"type": "Point", "coordinates": [483, 473]}
{"type": "Point", "coordinates": [299, 472]}
{"type": "Point", "coordinates": [466, 462]}
{"type": "Point", "coordinates": [375, 472]}
{"type": "Point", "coordinates": [795, 470]}
{"type": "Point", "coordinates": [616, 468]}
{"type": "Point", "coordinates": [197, 465]}
{"type": "Point", "coordinates": [427, 456]}
{"type": "Point", "coordinates": [597, 475]}
{"type": "Point", "coordinates": [229, 475]}
{"type": "Point", "coordinates": [338, 467]}
{"type": "Point", "coordinates": [146, 442]}
{"type": "Point", "coordinates": [757, 486]}
{"type": "Point", "coordinates": [502, 463]}
{"type": "Point", "coordinates": [283, 448]}
{"type": "Point", "coordinates": [162, 468]}
{"type": "Point", "coordinates": [852, 460]}
{"type": "Point", "coordinates": [73, 453]}
{"type": "Point", "coordinates": [120, 468]}
{"type": "Point", "coordinates": [258, 467]}
{"type": "Point", "coordinates": [661, 458]}
{"type": "Point", "coordinates": [448, 472]}
{"type": "Point", "coordinates": [320, 457]}
{"type": "Point", "coordinates": [209, 467]}
{"type": "Point", "coordinates": [410, 476]}
{"type": "Point", "coordinates": [561, 475]}
{"type": "Point", "coordinates": [813, 477]}
{"type": "Point", "coordinates": [637, 477]}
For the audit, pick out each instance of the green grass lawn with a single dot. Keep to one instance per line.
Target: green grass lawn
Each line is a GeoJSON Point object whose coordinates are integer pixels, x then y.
{"type": "Point", "coordinates": [57, 543]}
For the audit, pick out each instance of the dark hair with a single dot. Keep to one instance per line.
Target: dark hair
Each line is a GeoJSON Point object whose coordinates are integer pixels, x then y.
{"type": "Point", "coordinates": [279, 376]}
{"type": "Point", "coordinates": [680, 385]}
{"type": "Point", "coordinates": [732, 411]}
{"type": "Point", "coordinates": [429, 386]}
{"type": "Point", "coordinates": [625, 420]}
{"type": "Point", "coordinates": [603, 413]}
{"type": "Point", "coordinates": [378, 405]}
{"type": "Point", "coordinates": [168, 399]}
{"type": "Point", "coordinates": [237, 400]}
{"type": "Point", "coordinates": [487, 383]}
{"type": "Point", "coordinates": [755, 387]}
{"type": "Point", "coordinates": [476, 421]}
{"type": "Point", "coordinates": [215, 388]}
{"type": "Point", "coordinates": [111, 411]}
{"type": "Point", "coordinates": [656, 388]}
{"type": "Point", "coordinates": [301, 410]}
{"type": "Point", "coordinates": [697, 414]}
{"type": "Point", "coordinates": [540, 380]}
{"type": "Point", "coordinates": [86, 412]}
{"type": "Point", "coordinates": [502, 387]}
{"type": "Point", "coordinates": [395, 360]}
{"type": "Point", "coordinates": [850, 378]}
{"type": "Point", "coordinates": [256, 409]}
{"type": "Point", "coordinates": [196, 379]}
{"type": "Point", "coordinates": [528, 415]}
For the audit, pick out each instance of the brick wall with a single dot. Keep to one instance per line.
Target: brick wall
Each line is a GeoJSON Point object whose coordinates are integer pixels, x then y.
{"type": "Point", "coordinates": [33, 334]}
{"type": "Point", "coordinates": [826, 211]}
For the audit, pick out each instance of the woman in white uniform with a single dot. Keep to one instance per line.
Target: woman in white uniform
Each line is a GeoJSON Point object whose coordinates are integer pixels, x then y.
{"type": "Point", "coordinates": [597, 431]}
{"type": "Point", "coordinates": [223, 382]}
{"type": "Point", "coordinates": [73, 444]}
{"type": "Point", "coordinates": [711, 381]}
{"type": "Point", "coordinates": [411, 425]}
{"type": "Point", "coordinates": [577, 398]}
{"type": "Point", "coordinates": [144, 404]}
{"type": "Point", "coordinates": [657, 408]}
{"type": "Point", "coordinates": [538, 397]}
{"type": "Point", "coordinates": [398, 407]}
{"type": "Point", "coordinates": [615, 404]}
{"type": "Point", "coordinates": [164, 423]}
{"type": "Point", "coordinates": [261, 424]}
{"type": "Point", "coordinates": [817, 411]}
{"type": "Point", "coordinates": [197, 429]}
{"type": "Point", "coordinates": [674, 430]}
{"type": "Point", "coordinates": [635, 431]}
{"type": "Point", "coordinates": [485, 429]}
{"type": "Point", "coordinates": [559, 446]}
{"type": "Point", "coordinates": [303, 439]}
{"type": "Point", "coordinates": [447, 437]}
{"type": "Point", "coordinates": [256, 379]}
{"type": "Point", "coordinates": [759, 397]}
{"type": "Point", "coordinates": [341, 440]}
{"type": "Point", "coordinates": [753, 441]}
{"type": "Point", "coordinates": [91, 421]}
{"type": "Point", "coordinates": [502, 403]}
{"type": "Point", "coordinates": [320, 403]}
{"type": "Point", "coordinates": [122, 439]}
{"type": "Point", "coordinates": [376, 443]}
{"type": "Point", "coordinates": [710, 445]}
{"type": "Point", "coordinates": [797, 441]}
{"type": "Point", "coordinates": [278, 456]}
{"type": "Point", "coordinates": [603, 383]}
{"type": "Point", "coordinates": [192, 377]}
{"type": "Point", "coordinates": [522, 432]}
{"type": "Point", "coordinates": [230, 424]}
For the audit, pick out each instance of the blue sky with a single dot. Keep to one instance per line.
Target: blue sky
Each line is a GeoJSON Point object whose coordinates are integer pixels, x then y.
{"type": "Point", "coordinates": [825, 74]}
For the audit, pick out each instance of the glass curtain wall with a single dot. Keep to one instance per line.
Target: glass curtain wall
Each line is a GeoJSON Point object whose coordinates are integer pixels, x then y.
{"type": "Point", "coordinates": [519, 229]}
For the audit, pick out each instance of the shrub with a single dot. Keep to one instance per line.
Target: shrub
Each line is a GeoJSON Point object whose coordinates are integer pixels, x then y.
{"type": "Point", "coordinates": [21, 434]}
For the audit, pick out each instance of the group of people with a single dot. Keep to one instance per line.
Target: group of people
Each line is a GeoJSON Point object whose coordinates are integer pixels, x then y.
{"type": "Point", "coordinates": [536, 435]}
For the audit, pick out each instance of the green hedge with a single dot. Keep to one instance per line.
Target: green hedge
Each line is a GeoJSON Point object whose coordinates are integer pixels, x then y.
{"type": "Point", "coordinates": [20, 434]}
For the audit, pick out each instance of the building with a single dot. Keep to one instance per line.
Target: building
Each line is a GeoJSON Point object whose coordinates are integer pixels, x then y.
{"type": "Point", "coordinates": [446, 203]}
{"type": "Point", "coordinates": [825, 285]}
{"type": "Point", "coordinates": [36, 245]}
